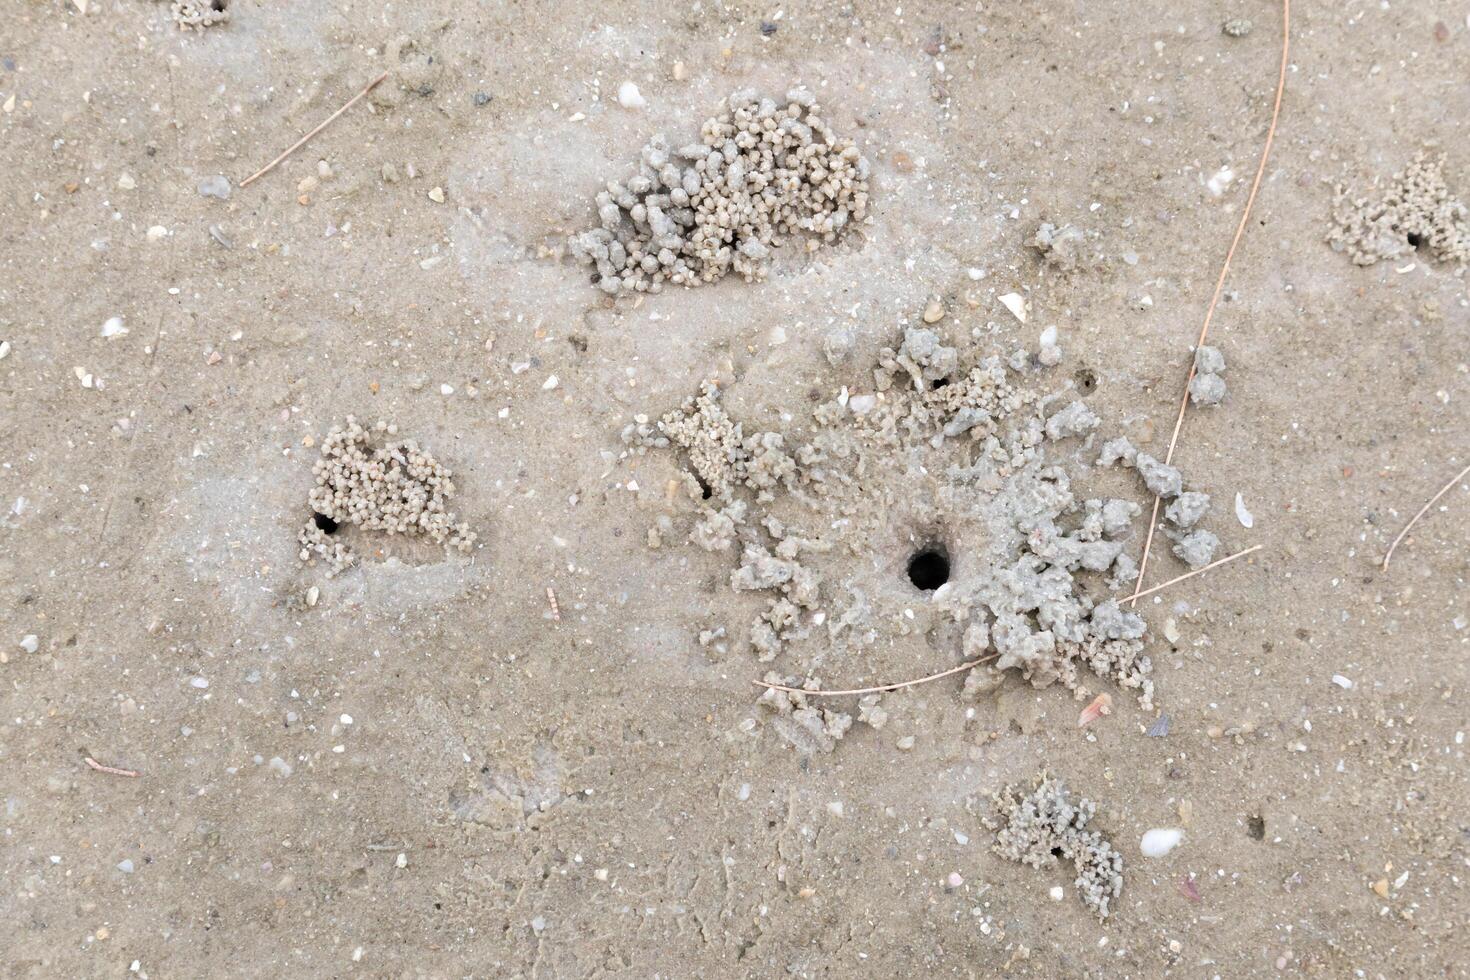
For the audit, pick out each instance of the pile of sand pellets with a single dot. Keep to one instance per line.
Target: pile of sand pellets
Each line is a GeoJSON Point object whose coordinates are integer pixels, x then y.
{"type": "Point", "coordinates": [1035, 828]}
{"type": "Point", "coordinates": [762, 171]}
{"type": "Point", "coordinates": [964, 450]}
{"type": "Point", "coordinates": [396, 487]}
{"type": "Point", "coordinates": [199, 14]}
{"type": "Point", "coordinates": [1416, 210]}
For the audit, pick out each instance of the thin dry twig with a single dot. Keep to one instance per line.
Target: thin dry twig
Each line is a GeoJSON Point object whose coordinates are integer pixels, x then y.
{"type": "Point", "coordinates": [1198, 571]}
{"type": "Point", "coordinates": [1220, 282]}
{"type": "Point", "coordinates": [882, 687]}
{"type": "Point", "coordinates": [110, 770]}
{"type": "Point", "coordinates": [879, 689]}
{"type": "Point", "coordinates": [323, 125]}
{"type": "Point", "coordinates": [1422, 511]}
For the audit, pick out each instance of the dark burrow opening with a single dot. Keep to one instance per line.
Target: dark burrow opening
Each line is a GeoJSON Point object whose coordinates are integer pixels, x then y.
{"type": "Point", "coordinates": [1416, 240]}
{"type": "Point", "coordinates": [929, 568]}
{"type": "Point", "coordinates": [324, 523]}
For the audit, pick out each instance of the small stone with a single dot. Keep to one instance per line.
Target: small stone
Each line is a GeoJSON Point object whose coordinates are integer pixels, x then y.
{"type": "Point", "coordinates": [629, 97]}
{"type": "Point", "coordinates": [4, 349]}
{"type": "Point", "coordinates": [126, 867]}
{"type": "Point", "coordinates": [1160, 841]}
{"type": "Point", "coordinates": [1237, 27]}
{"type": "Point", "coordinates": [156, 233]}
{"type": "Point", "coordinates": [390, 173]}
{"type": "Point", "coordinates": [680, 71]}
{"type": "Point", "coordinates": [1057, 893]}
{"type": "Point", "coordinates": [1380, 887]}
{"type": "Point", "coordinates": [402, 861]}
{"type": "Point", "coordinates": [1345, 683]}
{"type": "Point", "coordinates": [307, 184]}
{"type": "Point", "coordinates": [312, 595]}
{"type": "Point", "coordinates": [1014, 303]}
{"type": "Point", "coordinates": [437, 195]}
{"type": "Point", "coordinates": [324, 170]}
{"type": "Point", "coordinates": [29, 643]}
{"type": "Point", "coordinates": [934, 311]}
{"type": "Point", "coordinates": [481, 99]}
{"type": "Point", "coordinates": [550, 383]}
{"type": "Point", "coordinates": [905, 743]}
{"type": "Point", "coordinates": [113, 327]}
{"type": "Point", "coordinates": [217, 186]}
{"type": "Point", "coordinates": [126, 182]}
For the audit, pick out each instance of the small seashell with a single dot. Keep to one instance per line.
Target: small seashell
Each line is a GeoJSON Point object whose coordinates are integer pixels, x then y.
{"type": "Point", "coordinates": [1014, 303]}
{"type": "Point", "coordinates": [1101, 705]}
{"type": "Point", "coordinates": [1243, 515]}
{"type": "Point", "coordinates": [1160, 841]}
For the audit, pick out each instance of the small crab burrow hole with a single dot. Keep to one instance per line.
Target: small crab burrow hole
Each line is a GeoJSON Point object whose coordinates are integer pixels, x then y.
{"type": "Point", "coordinates": [324, 523]}
{"type": "Point", "coordinates": [929, 567]}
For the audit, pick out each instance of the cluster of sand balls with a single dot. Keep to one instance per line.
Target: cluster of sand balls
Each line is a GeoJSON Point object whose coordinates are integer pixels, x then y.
{"type": "Point", "coordinates": [761, 171]}
{"type": "Point", "coordinates": [396, 487]}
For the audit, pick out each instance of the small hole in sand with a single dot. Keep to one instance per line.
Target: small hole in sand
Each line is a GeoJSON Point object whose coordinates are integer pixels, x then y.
{"type": "Point", "coordinates": [929, 568]}
{"type": "Point", "coordinates": [938, 383]}
{"type": "Point", "coordinates": [219, 5]}
{"type": "Point", "coordinates": [1416, 240]}
{"type": "Point", "coordinates": [1255, 827]}
{"type": "Point", "coordinates": [325, 523]}
{"type": "Point", "coordinates": [1086, 381]}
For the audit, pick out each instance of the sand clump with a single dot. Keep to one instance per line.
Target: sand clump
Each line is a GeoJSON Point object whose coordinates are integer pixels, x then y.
{"type": "Point", "coordinates": [1036, 828]}
{"type": "Point", "coordinates": [1414, 211]}
{"type": "Point", "coordinates": [1207, 387]}
{"type": "Point", "coordinates": [198, 14]}
{"type": "Point", "coordinates": [964, 449]}
{"type": "Point", "coordinates": [761, 172]}
{"type": "Point", "coordinates": [396, 487]}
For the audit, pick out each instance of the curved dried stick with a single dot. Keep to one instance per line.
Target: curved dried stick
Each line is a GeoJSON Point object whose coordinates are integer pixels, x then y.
{"type": "Point", "coordinates": [880, 688]}
{"type": "Point", "coordinates": [1220, 282]}
{"type": "Point", "coordinates": [323, 125]}
{"type": "Point", "coordinates": [1422, 511]}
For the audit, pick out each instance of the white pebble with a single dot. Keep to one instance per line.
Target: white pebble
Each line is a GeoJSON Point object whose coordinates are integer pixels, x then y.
{"type": "Point", "coordinates": [345, 719]}
{"type": "Point", "coordinates": [955, 879]}
{"type": "Point", "coordinates": [1241, 514]}
{"type": "Point", "coordinates": [281, 766]}
{"type": "Point", "coordinates": [862, 404]}
{"type": "Point", "coordinates": [1160, 841]}
{"type": "Point", "coordinates": [446, 389]}
{"type": "Point", "coordinates": [550, 383]}
{"type": "Point", "coordinates": [4, 349]}
{"type": "Point", "coordinates": [156, 233]}
{"type": "Point", "coordinates": [199, 682]}
{"type": "Point", "coordinates": [1014, 303]}
{"type": "Point", "coordinates": [114, 328]}
{"type": "Point", "coordinates": [1345, 683]}
{"type": "Point", "coordinates": [629, 97]}
{"type": "Point", "coordinates": [402, 861]}
{"type": "Point", "coordinates": [1057, 893]}
{"type": "Point", "coordinates": [125, 866]}
{"type": "Point", "coordinates": [1218, 183]}
{"type": "Point", "coordinates": [29, 643]}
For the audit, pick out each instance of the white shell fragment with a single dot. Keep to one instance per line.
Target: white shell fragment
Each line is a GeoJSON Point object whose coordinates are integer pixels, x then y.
{"type": "Point", "coordinates": [629, 97]}
{"type": "Point", "coordinates": [114, 328]}
{"type": "Point", "coordinates": [1017, 305]}
{"type": "Point", "coordinates": [1160, 841]}
{"type": "Point", "coordinates": [1241, 514]}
